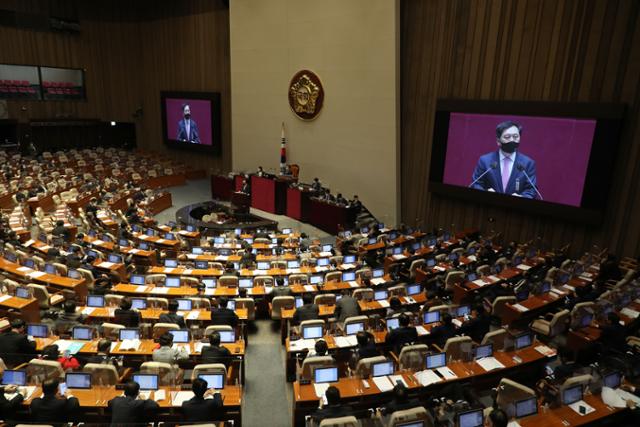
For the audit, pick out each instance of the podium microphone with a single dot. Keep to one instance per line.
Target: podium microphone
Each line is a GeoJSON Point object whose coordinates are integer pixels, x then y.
{"type": "Point", "coordinates": [492, 166]}
{"type": "Point", "coordinates": [521, 169]}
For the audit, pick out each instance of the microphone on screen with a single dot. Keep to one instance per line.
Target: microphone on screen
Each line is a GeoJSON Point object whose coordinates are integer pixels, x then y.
{"type": "Point", "coordinates": [492, 166]}
{"type": "Point", "coordinates": [521, 169]}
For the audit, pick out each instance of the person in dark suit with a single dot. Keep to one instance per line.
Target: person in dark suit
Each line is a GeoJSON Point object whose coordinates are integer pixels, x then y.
{"type": "Point", "coordinates": [60, 231]}
{"type": "Point", "coordinates": [366, 347]}
{"type": "Point", "coordinates": [400, 401]}
{"type": "Point", "coordinates": [15, 347]}
{"type": "Point", "coordinates": [214, 352]}
{"type": "Point", "coordinates": [445, 330]}
{"type": "Point", "coordinates": [199, 409]}
{"type": "Point", "coordinates": [187, 128]}
{"type": "Point", "coordinates": [614, 335]}
{"type": "Point", "coordinates": [52, 408]}
{"type": "Point", "coordinates": [222, 315]}
{"type": "Point", "coordinates": [69, 318]}
{"type": "Point", "coordinates": [8, 408]}
{"type": "Point", "coordinates": [125, 315]}
{"type": "Point", "coordinates": [346, 307]}
{"type": "Point", "coordinates": [506, 170]}
{"type": "Point", "coordinates": [497, 418]}
{"type": "Point", "coordinates": [402, 335]}
{"type": "Point", "coordinates": [172, 316]}
{"type": "Point", "coordinates": [103, 356]}
{"type": "Point", "coordinates": [478, 325]}
{"type": "Point", "coordinates": [333, 408]}
{"type": "Point", "coordinates": [308, 311]}
{"type": "Point", "coordinates": [128, 411]}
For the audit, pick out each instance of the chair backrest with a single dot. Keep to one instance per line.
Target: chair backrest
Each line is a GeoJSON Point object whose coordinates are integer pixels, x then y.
{"type": "Point", "coordinates": [301, 279]}
{"type": "Point", "coordinates": [483, 270]}
{"type": "Point", "coordinates": [111, 331]}
{"type": "Point", "coordinates": [216, 328]}
{"type": "Point", "coordinates": [228, 281]}
{"type": "Point", "coordinates": [363, 368]}
{"type": "Point", "coordinates": [584, 380]}
{"type": "Point", "coordinates": [155, 278]}
{"type": "Point", "coordinates": [350, 421]}
{"type": "Point", "coordinates": [333, 276]}
{"type": "Point", "coordinates": [249, 304]}
{"type": "Point", "coordinates": [458, 348]}
{"type": "Point", "coordinates": [498, 305]}
{"type": "Point", "coordinates": [325, 299]}
{"type": "Point", "coordinates": [559, 323]}
{"type": "Point", "coordinates": [497, 338]}
{"type": "Point", "coordinates": [398, 291]}
{"type": "Point", "coordinates": [189, 281]}
{"type": "Point", "coordinates": [363, 273]}
{"type": "Point", "coordinates": [418, 413]}
{"type": "Point", "coordinates": [313, 362]}
{"type": "Point", "coordinates": [201, 303]}
{"type": "Point", "coordinates": [160, 329]}
{"type": "Point", "coordinates": [413, 357]}
{"type": "Point", "coordinates": [355, 319]}
{"type": "Point", "coordinates": [208, 368]}
{"type": "Point", "coordinates": [452, 278]}
{"type": "Point", "coordinates": [509, 392]}
{"type": "Point", "coordinates": [102, 373]}
{"type": "Point", "coordinates": [363, 294]}
{"type": "Point", "coordinates": [278, 303]}
{"type": "Point", "coordinates": [40, 293]}
{"type": "Point", "coordinates": [156, 302]}
{"type": "Point", "coordinates": [263, 281]}
{"type": "Point", "coordinates": [113, 300]}
{"type": "Point", "coordinates": [167, 373]}
{"type": "Point", "coordinates": [40, 370]}
{"type": "Point", "coordinates": [313, 322]}
{"type": "Point", "coordinates": [415, 265]}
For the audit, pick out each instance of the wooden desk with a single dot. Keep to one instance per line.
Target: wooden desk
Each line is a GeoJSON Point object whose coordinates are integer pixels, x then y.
{"type": "Point", "coordinates": [77, 285]}
{"type": "Point", "coordinates": [181, 271]}
{"type": "Point", "coordinates": [29, 308]}
{"type": "Point", "coordinates": [153, 314]}
{"type": "Point", "coordinates": [565, 416]}
{"type": "Point", "coordinates": [158, 204]}
{"type": "Point", "coordinates": [536, 305]}
{"type": "Point", "coordinates": [330, 217]}
{"type": "Point", "coordinates": [221, 187]}
{"type": "Point", "coordinates": [165, 181]}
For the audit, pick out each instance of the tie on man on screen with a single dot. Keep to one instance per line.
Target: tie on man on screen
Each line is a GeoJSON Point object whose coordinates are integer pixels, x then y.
{"type": "Point", "coordinates": [506, 170]}
{"type": "Point", "coordinates": [187, 128]}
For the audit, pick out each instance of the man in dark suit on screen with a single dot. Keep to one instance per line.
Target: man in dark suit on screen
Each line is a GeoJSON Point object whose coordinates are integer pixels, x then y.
{"type": "Point", "coordinates": [506, 170]}
{"type": "Point", "coordinates": [187, 128]}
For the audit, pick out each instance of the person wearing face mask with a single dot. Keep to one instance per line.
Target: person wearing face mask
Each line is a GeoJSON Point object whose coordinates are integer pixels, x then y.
{"type": "Point", "coordinates": [187, 128]}
{"type": "Point", "coordinates": [507, 170]}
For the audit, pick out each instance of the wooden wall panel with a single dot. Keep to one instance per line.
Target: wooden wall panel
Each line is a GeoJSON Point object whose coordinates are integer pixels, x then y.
{"type": "Point", "coordinates": [539, 50]}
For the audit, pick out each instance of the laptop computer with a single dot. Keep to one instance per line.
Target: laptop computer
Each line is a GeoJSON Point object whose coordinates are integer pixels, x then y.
{"type": "Point", "coordinates": [82, 333]}
{"type": "Point", "coordinates": [146, 381]}
{"type": "Point", "coordinates": [473, 418]}
{"type": "Point", "coordinates": [312, 332]}
{"type": "Point", "coordinates": [180, 336]}
{"type": "Point", "coordinates": [381, 369]}
{"type": "Point", "coordinates": [436, 360]}
{"type": "Point", "coordinates": [78, 380]}
{"type": "Point", "coordinates": [12, 377]}
{"type": "Point", "coordinates": [38, 331]}
{"type": "Point", "coordinates": [325, 375]}
{"type": "Point", "coordinates": [95, 301]}
{"type": "Point", "coordinates": [215, 381]}
{"type": "Point", "coordinates": [354, 328]}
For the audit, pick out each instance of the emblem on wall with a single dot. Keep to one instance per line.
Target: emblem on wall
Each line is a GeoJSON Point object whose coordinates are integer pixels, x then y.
{"type": "Point", "coordinates": [306, 95]}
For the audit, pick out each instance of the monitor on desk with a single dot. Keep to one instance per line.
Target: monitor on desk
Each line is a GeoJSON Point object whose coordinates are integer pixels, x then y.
{"type": "Point", "coordinates": [245, 283]}
{"type": "Point", "coordinates": [354, 327]}
{"type": "Point", "coordinates": [414, 289]}
{"type": "Point", "coordinates": [74, 274]}
{"type": "Point", "coordinates": [316, 279]}
{"type": "Point", "coordinates": [482, 351]}
{"type": "Point", "coordinates": [612, 379]}
{"type": "Point", "coordinates": [327, 248]}
{"type": "Point", "coordinates": [180, 336]}
{"type": "Point", "coordinates": [169, 236]}
{"type": "Point", "coordinates": [82, 333]}
{"type": "Point", "coordinates": [227, 336]}
{"type": "Point", "coordinates": [312, 332]}
{"type": "Point", "coordinates": [517, 261]}
{"type": "Point", "coordinates": [150, 232]}
{"type": "Point", "coordinates": [349, 259]}
{"type": "Point", "coordinates": [263, 265]}
{"type": "Point", "coordinates": [293, 264]}
{"type": "Point", "coordinates": [231, 305]}
{"type": "Point", "coordinates": [397, 250]}
{"type": "Point", "coordinates": [184, 304]}
{"type": "Point", "coordinates": [545, 287]}
{"type": "Point", "coordinates": [115, 259]}
{"type": "Point", "coordinates": [106, 238]}
{"type": "Point", "coordinates": [202, 265]}
{"type": "Point", "coordinates": [138, 303]}
{"type": "Point", "coordinates": [431, 262]}
{"type": "Point", "coordinates": [436, 360]}
{"type": "Point", "coordinates": [372, 241]}
{"type": "Point", "coordinates": [128, 334]}
{"type": "Point", "coordinates": [197, 250]}
{"type": "Point", "coordinates": [92, 233]}
{"type": "Point", "coordinates": [11, 377]}
{"type": "Point", "coordinates": [471, 251]}
{"type": "Point", "coordinates": [471, 277]}
{"type": "Point", "coordinates": [522, 295]}
{"type": "Point", "coordinates": [393, 323]}
{"type": "Point", "coordinates": [136, 228]}
{"type": "Point", "coordinates": [144, 246]}
{"type": "Point", "coordinates": [214, 381]}
{"type": "Point", "coordinates": [172, 282]}
{"type": "Point", "coordinates": [523, 340]}
{"type": "Point", "coordinates": [11, 257]}
{"type": "Point", "coordinates": [377, 273]}
{"type": "Point", "coordinates": [381, 369]}
{"type": "Point", "coordinates": [22, 292]}
{"type": "Point", "coordinates": [431, 242]}
{"type": "Point", "coordinates": [50, 268]}
{"type": "Point", "coordinates": [43, 237]}
{"type": "Point", "coordinates": [463, 310]}
{"type": "Point", "coordinates": [380, 295]}
{"type": "Point", "coordinates": [299, 302]}
{"type": "Point", "coordinates": [526, 407]}
{"type": "Point", "coordinates": [572, 394]}
{"type": "Point", "coordinates": [364, 230]}
{"type": "Point", "coordinates": [95, 301]}
{"type": "Point", "coordinates": [218, 240]}
{"type": "Point", "coordinates": [472, 418]}
{"type": "Point", "coordinates": [249, 240]}
{"type": "Point", "coordinates": [146, 381]}
{"type": "Point", "coordinates": [325, 375]}
{"type": "Point", "coordinates": [137, 279]}
{"type": "Point", "coordinates": [412, 424]}
{"type": "Point", "coordinates": [171, 263]}
{"type": "Point", "coordinates": [29, 263]}
{"type": "Point", "coordinates": [431, 317]}
{"type": "Point", "coordinates": [209, 282]}
{"type": "Point", "coordinates": [586, 320]}
{"type": "Point", "coordinates": [80, 380]}
{"type": "Point", "coordinates": [37, 330]}
{"type": "Point", "coordinates": [191, 228]}
{"type": "Point", "coordinates": [348, 276]}
{"type": "Point", "coordinates": [237, 231]}
{"type": "Point", "coordinates": [453, 256]}
{"type": "Point", "coordinates": [322, 262]}
{"type": "Point", "coordinates": [274, 240]}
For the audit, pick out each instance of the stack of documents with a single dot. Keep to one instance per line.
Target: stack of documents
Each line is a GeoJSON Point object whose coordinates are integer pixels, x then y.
{"type": "Point", "coordinates": [427, 377]}
{"type": "Point", "coordinates": [489, 363]}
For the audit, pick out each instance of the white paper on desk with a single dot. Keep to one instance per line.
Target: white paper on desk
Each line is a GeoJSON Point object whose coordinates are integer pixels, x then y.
{"type": "Point", "coordinates": [24, 269]}
{"type": "Point", "coordinates": [322, 268]}
{"type": "Point", "coordinates": [384, 303]}
{"type": "Point", "coordinates": [167, 270]}
{"type": "Point", "coordinates": [427, 377]}
{"type": "Point", "coordinates": [348, 341]}
{"type": "Point", "coordinates": [347, 266]}
{"type": "Point", "coordinates": [309, 288]}
{"type": "Point", "coordinates": [302, 344]}
{"type": "Point", "coordinates": [267, 290]}
{"type": "Point", "coordinates": [378, 281]}
{"type": "Point", "coordinates": [130, 344]}
{"type": "Point", "coordinates": [209, 291]}
{"type": "Point", "coordinates": [569, 288]}
{"type": "Point", "coordinates": [558, 292]}
{"type": "Point", "coordinates": [489, 363]}
{"type": "Point", "coordinates": [320, 389]}
{"type": "Point", "coordinates": [97, 242]}
{"type": "Point", "coordinates": [630, 313]}
{"type": "Point", "coordinates": [187, 271]}
{"type": "Point", "coordinates": [409, 300]}
{"type": "Point", "coordinates": [143, 237]}
{"type": "Point", "coordinates": [106, 264]}
{"type": "Point", "coordinates": [576, 407]}
{"type": "Point", "coordinates": [4, 298]}
{"type": "Point", "coordinates": [421, 330]}
{"type": "Point", "coordinates": [493, 278]}
{"type": "Point", "coordinates": [199, 346]}
{"type": "Point", "coordinates": [546, 351]}
{"type": "Point", "coordinates": [222, 258]}
{"type": "Point", "coordinates": [398, 256]}
{"type": "Point", "coordinates": [586, 278]}
{"type": "Point", "coordinates": [193, 315]}
{"type": "Point", "coordinates": [324, 254]}
{"type": "Point", "coordinates": [45, 247]}
{"type": "Point", "coordinates": [624, 394]}
{"type": "Point", "coordinates": [160, 290]}
{"type": "Point", "coordinates": [36, 274]}
{"type": "Point", "coordinates": [88, 310]}
{"type": "Point", "coordinates": [159, 395]}
{"type": "Point", "coordinates": [456, 322]}
{"type": "Point", "coordinates": [292, 270]}
{"type": "Point", "coordinates": [177, 397]}
{"type": "Point", "coordinates": [160, 241]}
{"type": "Point", "coordinates": [258, 272]}
{"type": "Point", "coordinates": [611, 398]}
{"type": "Point", "coordinates": [447, 373]}
{"type": "Point", "coordinates": [395, 378]}
{"type": "Point", "coordinates": [141, 288]}
{"type": "Point", "coordinates": [520, 308]}
{"type": "Point", "coordinates": [383, 383]}
{"type": "Point", "coordinates": [29, 242]}
{"type": "Point", "coordinates": [113, 346]}
{"type": "Point", "coordinates": [354, 284]}
{"type": "Point", "coordinates": [439, 268]}
{"type": "Point", "coordinates": [513, 423]}
{"type": "Point", "coordinates": [134, 250]}
{"type": "Point", "coordinates": [479, 282]}
{"type": "Point", "coordinates": [523, 267]}
{"type": "Point", "coordinates": [192, 256]}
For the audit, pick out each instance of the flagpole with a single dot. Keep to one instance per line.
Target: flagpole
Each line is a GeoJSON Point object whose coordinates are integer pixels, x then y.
{"type": "Point", "coordinates": [283, 151]}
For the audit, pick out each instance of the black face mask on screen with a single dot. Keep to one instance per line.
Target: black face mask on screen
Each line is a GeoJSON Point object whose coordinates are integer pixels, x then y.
{"type": "Point", "coordinates": [508, 147]}
{"type": "Point", "coordinates": [187, 116]}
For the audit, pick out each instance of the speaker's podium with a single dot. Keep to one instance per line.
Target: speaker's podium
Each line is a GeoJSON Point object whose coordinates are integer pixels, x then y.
{"type": "Point", "coordinates": [240, 202]}
{"type": "Point", "coordinates": [270, 194]}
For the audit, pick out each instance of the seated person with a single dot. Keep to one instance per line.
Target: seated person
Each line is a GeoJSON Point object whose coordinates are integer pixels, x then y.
{"type": "Point", "coordinates": [320, 349]}
{"type": "Point", "coordinates": [400, 401]}
{"type": "Point", "coordinates": [198, 409]}
{"type": "Point", "coordinates": [333, 408]}
{"type": "Point", "coordinates": [402, 335]}
{"type": "Point", "coordinates": [103, 356]}
{"type": "Point", "coordinates": [172, 316]}
{"type": "Point", "coordinates": [52, 408]}
{"type": "Point", "coordinates": [395, 306]}
{"type": "Point", "coordinates": [614, 335]}
{"type": "Point", "coordinates": [497, 418]}
{"type": "Point", "coordinates": [366, 346]}
{"type": "Point", "coordinates": [166, 353]}
{"type": "Point", "coordinates": [221, 315]}
{"type": "Point", "coordinates": [214, 352]}
{"type": "Point", "coordinates": [8, 408]}
{"type": "Point", "coordinates": [130, 411]}
{"type": "Point", "coordinates": [445, 330]}
{"type": "Point", "coordinates": [126, 316]}
{"type": "Point", "coordinates": [67, 361]}
{"type": "Point", "coordinates": [69, 318]}
{"type": "Point", "coordinates": [308, 311]}
{"type": "Point", "coordinates": [15, 346]}
{"type": "Point", "coordinates": [478, 325]}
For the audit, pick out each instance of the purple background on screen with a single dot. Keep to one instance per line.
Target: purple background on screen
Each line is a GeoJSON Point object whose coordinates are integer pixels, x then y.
{"type": "Point", "coordinates": [200, 113]}
{"type": "Point", "coordinates": [559, 146]}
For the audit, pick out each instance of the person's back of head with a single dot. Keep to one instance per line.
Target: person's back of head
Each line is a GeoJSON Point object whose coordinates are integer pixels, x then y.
{"type": "Point", "coordinates": [50, 387]}
{"type": "Point", "coordinates": [51, 352]}
{"type": "Point", "coordinates": [173, 306]}
{"type": "Point", "coordinates": [333, 395]}
{"type": "Point", "coordinates": [242, 292]}
{"type": "Point", "coordinates": [498, 418]}
{"type": "Point", "coordinates": [400, 393]}
{"type": "Point", "coordinates": [403, 320]}
{"type": "Point", "coordinates": [131, 389]}
{"type": "Point", "coordinates": [447, 319]}
{"type": "Point", "coordinates": [613, 319]}
{"type": "Point", "coordinates": [214, 339]}
{"type": "Point", "coordinates": [104, 345]}
{"type": "Point", "coordinates": [125, 304]}
{"type": "Point", "coordinates": [321, 348]}
{"type": "Point", "coordinates": [18, 325]}
{"type": "Point", "coordinates": [395, 304]}
{"type": "Point", "coordinates": [69, 307]}
{"type": "Point", "coordinates": [363, 338]}
{"type": "Point", "coordinates": [59, 223]}
{"type": "Point", "coordinates": [166, 340]}
{"type": "Point", "coordinates": [307, 299]}
{"type": "Point", "coordinates": [199, 387]}
{"type": "Point", "coordinates": [222, 302]}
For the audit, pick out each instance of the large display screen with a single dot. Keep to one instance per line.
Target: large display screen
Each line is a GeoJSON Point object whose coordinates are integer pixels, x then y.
{"type": "Point", "coordinates": [191, 120]}
{"type": "Point", "coordinates": [532, 155]}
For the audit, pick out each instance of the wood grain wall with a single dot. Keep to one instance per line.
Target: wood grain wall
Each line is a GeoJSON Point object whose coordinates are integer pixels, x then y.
{"type": "Point", "coordinates": [542, 50]}
{"type": "Point", "coordinates": [131, 51]}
